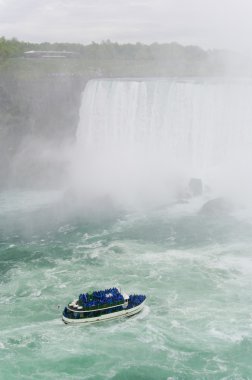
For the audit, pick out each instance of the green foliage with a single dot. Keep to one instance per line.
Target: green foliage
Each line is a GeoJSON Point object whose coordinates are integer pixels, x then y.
{"type": "Point", "coordinates": [112, 59]}
{"type": "Point", "coordinates": [10, 48]}
{"type": "Point", "coordinates": [105, 50]}
{"type": "Point", "coordinates": [40, 97]}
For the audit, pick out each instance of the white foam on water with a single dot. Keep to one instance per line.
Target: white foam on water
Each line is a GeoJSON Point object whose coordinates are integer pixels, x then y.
{"type": "Point", "coordinates": [197, 300]}
{"type": "Point", "coordinates": [234, 338]}
{"type": "Point", "coordinates": [140, 139]}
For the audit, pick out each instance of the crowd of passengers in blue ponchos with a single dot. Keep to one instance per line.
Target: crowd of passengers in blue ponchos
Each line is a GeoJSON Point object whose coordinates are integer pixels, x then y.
{"type": "Point", "coordinates": [104, 297]}
{"type": "Point", "coordinates": [100, 298]}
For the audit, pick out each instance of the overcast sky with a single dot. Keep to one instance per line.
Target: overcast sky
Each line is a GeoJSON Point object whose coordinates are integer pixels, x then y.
{"type": "Point", "coordinates": [207, 23]}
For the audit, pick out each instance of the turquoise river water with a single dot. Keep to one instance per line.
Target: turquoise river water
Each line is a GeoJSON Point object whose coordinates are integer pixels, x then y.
{"type": "Point", "coordinates": [135, 141]}
{"type": "Point", "coordinates": [195, 271]}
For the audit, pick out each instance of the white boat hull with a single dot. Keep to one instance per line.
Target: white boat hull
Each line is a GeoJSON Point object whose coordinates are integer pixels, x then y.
{"type": "Point", "coordinates": [117, 314]}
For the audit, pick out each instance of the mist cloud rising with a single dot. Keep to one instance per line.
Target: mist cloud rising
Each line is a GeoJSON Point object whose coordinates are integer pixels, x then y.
{"type": "Point", "coordinates": [140, 141]}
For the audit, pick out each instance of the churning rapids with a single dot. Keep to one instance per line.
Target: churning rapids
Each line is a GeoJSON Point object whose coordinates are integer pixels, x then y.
{"type": "Point", "coordinates": [127, 218]}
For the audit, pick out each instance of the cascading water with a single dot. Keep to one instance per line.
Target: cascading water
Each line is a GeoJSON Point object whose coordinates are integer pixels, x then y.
{"type": "Point", "coordinates": [133, 133]}
{"type": "Point", "coordinates": [195, 268]}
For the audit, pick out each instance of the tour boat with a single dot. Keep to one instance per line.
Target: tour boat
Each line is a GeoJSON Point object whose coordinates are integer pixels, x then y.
{"type": "Point", "coordinates": [102, 305]}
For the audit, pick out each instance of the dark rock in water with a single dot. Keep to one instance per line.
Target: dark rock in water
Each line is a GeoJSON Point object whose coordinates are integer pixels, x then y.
{"type": "Point", "coordinates": [195, 187]}
{"type": "Point", "coordinates": [216, 207]}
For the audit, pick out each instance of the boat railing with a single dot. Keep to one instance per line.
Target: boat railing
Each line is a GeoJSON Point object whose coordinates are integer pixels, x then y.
{"type": "Point", "coordinates": [96, 308]}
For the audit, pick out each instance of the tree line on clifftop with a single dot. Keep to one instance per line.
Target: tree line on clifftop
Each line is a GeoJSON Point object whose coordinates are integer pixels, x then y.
{"type": "Point", "coordinates": [110, 58]}
{"type": "Point", "coordinates": [40, 97]}
{"type": "Point", "coordinates": [105, 50]}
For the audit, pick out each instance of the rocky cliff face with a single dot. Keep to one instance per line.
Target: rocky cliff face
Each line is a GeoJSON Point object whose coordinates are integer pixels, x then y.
{"type": "Point", "coordinates": [37, 116]}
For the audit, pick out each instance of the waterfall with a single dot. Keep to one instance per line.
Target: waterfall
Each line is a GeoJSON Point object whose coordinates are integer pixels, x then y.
{"type": "Point", "coordinates": [148, 128]}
